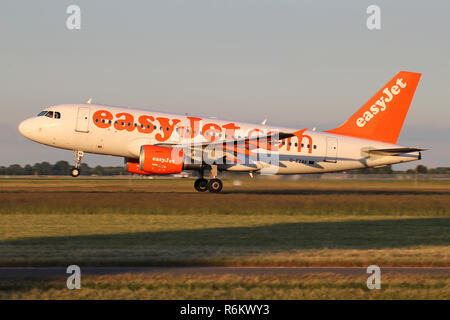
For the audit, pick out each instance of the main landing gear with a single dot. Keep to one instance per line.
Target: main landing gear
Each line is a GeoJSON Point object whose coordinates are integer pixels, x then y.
{"type": "Point", "coordinates": [214, 185]}
{"type": "Point", "coordinates": [201, 185]}
{"type": "Point", "coordinates": [75, 171]}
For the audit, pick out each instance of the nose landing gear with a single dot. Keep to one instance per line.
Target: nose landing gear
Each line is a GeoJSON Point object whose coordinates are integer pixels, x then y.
{"type": "Point", "coordinates": [75, 171]}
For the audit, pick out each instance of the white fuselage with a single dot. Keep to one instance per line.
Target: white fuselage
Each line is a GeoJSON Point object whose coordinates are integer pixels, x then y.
{"type": "Point", "coordinates": [121, 132]}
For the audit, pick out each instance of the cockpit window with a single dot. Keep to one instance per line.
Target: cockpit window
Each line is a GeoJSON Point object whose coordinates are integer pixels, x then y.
{"type": "Point", "coordinates": [49, 114]}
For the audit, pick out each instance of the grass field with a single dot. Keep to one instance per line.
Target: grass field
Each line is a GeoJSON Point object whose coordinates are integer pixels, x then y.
{"type": "Point", "coordinates": [164, 286]}
{"type": "Point", "coordinates": [262, 222]}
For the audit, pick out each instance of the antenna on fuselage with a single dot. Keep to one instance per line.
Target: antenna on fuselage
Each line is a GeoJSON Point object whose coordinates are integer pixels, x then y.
{"type": "Point", "coordinates": [89, 101]}
{"type": "Point", "coordinates": [264, 122]}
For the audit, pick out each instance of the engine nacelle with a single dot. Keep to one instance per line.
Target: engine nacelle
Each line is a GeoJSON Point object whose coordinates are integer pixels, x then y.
{"type": "Point", "coordinates": [160, 160]}
{"type": "Point", "coordinates": [132, 166]}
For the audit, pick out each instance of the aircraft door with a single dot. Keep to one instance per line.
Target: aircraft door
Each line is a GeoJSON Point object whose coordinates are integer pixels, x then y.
{"type": "Point", "coordinates": [332, 148]}
{"type": "Point", "coordinates": [83, 119]}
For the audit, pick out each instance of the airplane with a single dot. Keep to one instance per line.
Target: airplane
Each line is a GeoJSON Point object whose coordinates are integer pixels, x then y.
{"type": "Point", "coordinates": [157, 143]}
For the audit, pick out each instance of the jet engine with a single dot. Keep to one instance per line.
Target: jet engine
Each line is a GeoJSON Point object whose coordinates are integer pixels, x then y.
{"type": "Point", "coordinates": [132, 166]}
{"type": "Point", "coordinates": [160, 160]}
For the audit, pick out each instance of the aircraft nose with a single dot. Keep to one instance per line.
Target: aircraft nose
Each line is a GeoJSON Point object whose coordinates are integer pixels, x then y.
{"type": "Point", "coordinates": [25, 128]}
{"type": "Point", "coordinates": [22, 127]}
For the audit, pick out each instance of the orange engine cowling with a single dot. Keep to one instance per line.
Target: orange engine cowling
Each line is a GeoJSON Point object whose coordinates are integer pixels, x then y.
{"type": "Point", "coordinates": [132, 166]}
{"type": "Point", "coordinates": [160, 160]}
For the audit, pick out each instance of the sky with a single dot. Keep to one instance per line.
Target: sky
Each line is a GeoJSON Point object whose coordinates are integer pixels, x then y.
{"type": "Point", "coordinates": [300, 64]}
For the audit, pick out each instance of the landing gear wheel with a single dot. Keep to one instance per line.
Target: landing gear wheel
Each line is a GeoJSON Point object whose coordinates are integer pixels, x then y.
{"type": "Point", "coordinates": [75, 172]}
{"type": "Point", "coordinates": [215, 185]}
{"type": "Point", "coordinates": [201, 185]}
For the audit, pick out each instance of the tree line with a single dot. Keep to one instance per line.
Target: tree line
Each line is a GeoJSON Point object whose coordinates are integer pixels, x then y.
{"type": "Point", "coordinates": [62, 168]}
{"type": "Point", "coordinates": [420, 169]}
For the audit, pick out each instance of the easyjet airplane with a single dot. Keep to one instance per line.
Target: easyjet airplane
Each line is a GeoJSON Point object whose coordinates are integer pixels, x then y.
{"type": "Point", "coordinates": [163, 143]}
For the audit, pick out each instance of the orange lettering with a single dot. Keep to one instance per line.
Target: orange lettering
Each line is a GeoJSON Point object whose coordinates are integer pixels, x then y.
{"type": "Point", "coordinates": [211, 131]}
{"type": "Point", "coordinates": [146, 126]}
{"type": "Point", "coordinates": [230, 130]}
{"type": "Point", "coordinates": [127, 123]}
{"type": "Point", "coordinates": [102, 118]}
{"type": "Point", "coordinates": [300, 136]}
{"type": "Point", "coordinates": [167, 128]}
{"type": "Point", "coordinates": [195, 126]}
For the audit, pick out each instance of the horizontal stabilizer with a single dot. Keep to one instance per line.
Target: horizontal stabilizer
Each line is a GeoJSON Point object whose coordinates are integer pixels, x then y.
{"type": "Point", "coordinates": [394, 151]}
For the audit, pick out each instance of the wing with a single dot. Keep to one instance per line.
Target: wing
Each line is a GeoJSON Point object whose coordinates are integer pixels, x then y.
{"type": "Point", "coordinates": [275, 136]}
{"type": "Point", "coordinates": [230, 149]}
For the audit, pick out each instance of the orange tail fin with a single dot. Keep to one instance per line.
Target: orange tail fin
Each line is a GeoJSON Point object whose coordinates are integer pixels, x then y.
{"type": "Point", "coordinates": [382, 117]}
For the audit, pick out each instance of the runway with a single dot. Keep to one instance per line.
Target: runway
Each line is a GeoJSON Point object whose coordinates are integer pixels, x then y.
{"type": "Point", "coordinates": [59, 271]}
